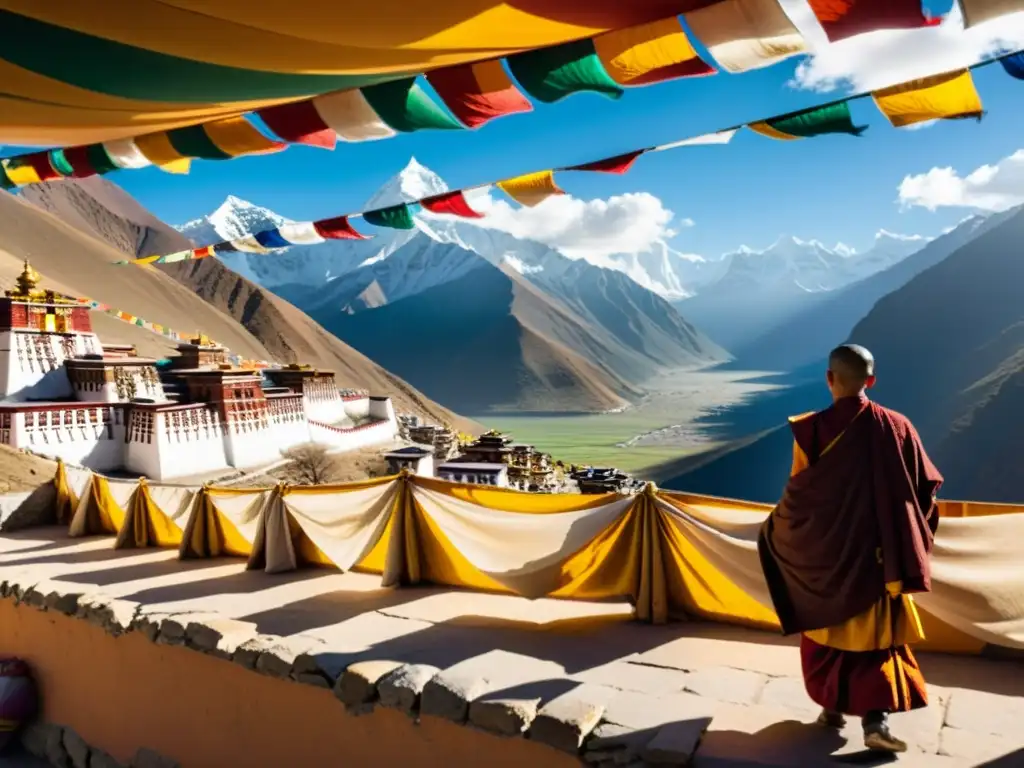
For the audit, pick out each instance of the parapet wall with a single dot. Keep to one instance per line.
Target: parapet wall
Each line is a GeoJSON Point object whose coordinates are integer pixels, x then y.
{"type": "Point", "coordinates": [201, 690]}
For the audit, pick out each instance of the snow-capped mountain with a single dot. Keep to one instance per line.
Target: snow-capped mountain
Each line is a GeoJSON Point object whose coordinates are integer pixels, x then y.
{"type": "Point", "coordinates": [234, 218]}
{"type": "Point", "coordinates": [760, 289]}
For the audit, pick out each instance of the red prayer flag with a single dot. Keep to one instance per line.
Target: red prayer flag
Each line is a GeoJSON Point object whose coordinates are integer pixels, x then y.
{"type": "Point", "coordinates": [617, 164]}
{"type": "Point", "coordinates": [78, 158]}
{"type": "Point", "coordinates": [451, 202]}
{"type": "Point", "coordinates": [337, 228]}
{"type": "Point", "coordinates": [202, 253]}
{"type": "Point", "coordinates": [695, 67]}
{"type": "Point", "coordinates": [845, 18]}
{"type": "Point", "coordinates": [40, 162]}
{"type": "Point", "coordinates": [477, 93]}
{"type": "Point", "coordinates": [299, 123]}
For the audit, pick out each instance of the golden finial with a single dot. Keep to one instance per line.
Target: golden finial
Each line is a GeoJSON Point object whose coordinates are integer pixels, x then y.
{"type": "Point", "coordinates": [28, 280]}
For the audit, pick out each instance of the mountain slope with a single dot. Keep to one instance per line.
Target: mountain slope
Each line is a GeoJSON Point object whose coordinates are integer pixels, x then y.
{"type": "Point", "coordinates": [484, 341]}
{"type": "Point", "coordinates": [102, 209]}
{"type": "Point", "coordinates": [813, 331]}
{"type": "Point", "coordinates": [761, 290]}
{"type": "Point", "coordinates": [949, 346]}
{"type": "Point", "coordinates": [249, 320]}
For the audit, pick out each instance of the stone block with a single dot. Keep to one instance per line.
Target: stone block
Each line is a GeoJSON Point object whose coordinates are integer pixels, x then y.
{"type": "Point", "coordinates": [979, 748]}
{"type": "Point", "coordinates": [735, 686]}
{"type": "Point", "coordinates": [312, 678]}
{"type": "Point", "coordinates": [322, 660]}
{"type": "Point", "coordinates": [637, 710]}
{"type": "Point", "coordinates": [788, 692]}
{"type": "Point", "coordinates": [34, 737]}
{"type": "Point", "coordinates": [113, 615]}
{"type": "Point", "coordinates": [402, 688]}
{"type": "Point", "coordinates": [218, 637]}
{"type": "Point", "coordinates": [76, 748]}
{"type": "Point", "coordinates": [985, 712]}
{"type": "Point", "coordinates": [63, 602]}
{"type": "Point", "coordinates": [148, 758]}
{"type": "Point", "coordinates": [566, 721]}
{"type": "Point", "coordinates": [22, 586]}
{"type": "Point", "coordinates": [503, 716]}
{"type": "Point", "coordinates": [448, 695]}
{"type": "Point", "coordinates": [616, 744]}
{"type": "Point", "coordinates": [675, 743]}
{"type": "Point", "coordinates": [100, 759]}
{"type": "Point", "coordinates": [279, 659]}
{"type": "Point", "coordinates": [55, 751]}
{"type": "Point", "coordinates": [626, 676]}
{"type": "Point", "coordinates": [357, 685]}
{"type": "Point", "coordinates": [247, 654]}
{"type": "Point", "coordinates": [35, 596]}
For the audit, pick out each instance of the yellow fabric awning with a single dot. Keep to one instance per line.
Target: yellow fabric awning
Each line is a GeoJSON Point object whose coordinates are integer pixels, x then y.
{"type": "Point", "coordinates": [78, 73]}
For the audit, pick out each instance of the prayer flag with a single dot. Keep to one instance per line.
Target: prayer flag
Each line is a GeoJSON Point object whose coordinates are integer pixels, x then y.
{"type": "Point", "coordinates": [406, 107]}
{"type": "Point", "coordinates": [59, 163]}
{"type": "Point", "coordinates": [947, 96]}
{"type": "Point", "coordinates": [845, 18]}
{"type": "Point", "coordinates": [249, 244]}
{"type": "Point", "coordinates": [393, 217]}
{"type": "Point", "coordinates": [5, 182]}
{"type": "Point", "coordinates": [650, 53]}
{"type": "Point", "coordinates": [531, 188]}
{"type": "Point", "coordinates": [40, 162]}
{"type": "Point", "coordinates": [977, 11]}
{"type": "Point", "coordinates": [21, 172]}
{"type": "Point", "coordinates": [124, 154]}
{"type": "Point", "coordinates": [202, 253]}
{"type": "Point", "coordinates": [96, 157]}
{"type": "Point", "coordinates": [708, 139]}
{"type": "Point", "coordinates": [618, 164]}
{"type": "Point", "coordinates": [152, 259]}
{"type": "Point", "coordinates": [477, 93]}
{"type": "Point", "coordinates": [300, 233]}
{"type": "Point", "coordinates": [299, 123]}
{"type": "Point", "coordinates": [157, 148]}
{"type": "Point", "coordinates": [351, 117]}
{"type": "Point", "coordinates": [236, 136]}
{"type": "Point", "coordinates": [338, 228]}
{"type": "Point", "coordinates": [550, 74]}
{"type": "Point", "coordinates": [1014, 65]}
{"type": "Point", "coordinates": [834, 118]}
{"type": "Point", "coordinates": [271, 239]}
{"type": "Point", "coordinates": [453, 203]}
{"type": "Point", "coordinates": [746, 34]}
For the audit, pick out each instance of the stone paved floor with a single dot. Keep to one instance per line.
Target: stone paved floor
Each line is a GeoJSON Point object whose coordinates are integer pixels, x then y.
{"type": "Point", "coordinates": [745, 683]}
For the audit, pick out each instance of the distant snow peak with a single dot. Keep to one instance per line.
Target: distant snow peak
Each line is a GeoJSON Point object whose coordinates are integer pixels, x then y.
{"type": "Point", "coordinates": [884, 233]}
{"type": "Point", "coordinates": [520, 266]}
{"type": "Point", "coordinates": [845, 250]}
{"type": "Point", "coordinates": [413, 182]}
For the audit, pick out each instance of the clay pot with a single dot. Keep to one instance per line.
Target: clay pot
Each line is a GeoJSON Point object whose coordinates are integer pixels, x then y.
{"type": "Point", "coordinates": [18, 699]}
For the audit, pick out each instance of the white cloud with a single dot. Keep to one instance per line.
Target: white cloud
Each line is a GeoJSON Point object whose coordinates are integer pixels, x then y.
{"type": "Point", "coordinates": [988, 188]}
{"type": "Point", "coordinates": [629, 223]}
{"type": "Point", "coordinates": [887, 57]}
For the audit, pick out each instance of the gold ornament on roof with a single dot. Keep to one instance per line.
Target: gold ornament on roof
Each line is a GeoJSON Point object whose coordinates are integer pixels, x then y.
{"type": "Point", "coordinates": [27, 283]}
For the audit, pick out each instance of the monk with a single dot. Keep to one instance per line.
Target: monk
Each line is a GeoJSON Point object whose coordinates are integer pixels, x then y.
{"type": "Point", "coordinates": [847, 547]}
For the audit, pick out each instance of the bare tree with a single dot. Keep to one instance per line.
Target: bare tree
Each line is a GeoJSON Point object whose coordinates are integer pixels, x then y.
{"type": "Point", "coordinates": [309, 464]}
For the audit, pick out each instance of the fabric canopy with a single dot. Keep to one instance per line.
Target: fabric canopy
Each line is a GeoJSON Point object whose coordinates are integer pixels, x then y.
{"type": "Point", "coordinates": [78, 73]}
{"type": "Point", "coordinates": [669, 554]}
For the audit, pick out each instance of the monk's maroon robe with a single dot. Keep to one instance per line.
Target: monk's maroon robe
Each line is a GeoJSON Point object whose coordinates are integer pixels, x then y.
{"type": "Point", "coordinates": [861, 515]}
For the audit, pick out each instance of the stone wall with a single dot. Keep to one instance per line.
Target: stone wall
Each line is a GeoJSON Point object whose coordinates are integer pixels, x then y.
{"type": "Point", "coordinates": [206, 690]}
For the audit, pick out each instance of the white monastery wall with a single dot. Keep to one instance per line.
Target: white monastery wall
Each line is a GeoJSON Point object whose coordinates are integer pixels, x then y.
{"type": "Point", "coordinates": [135, 381]}
{"type": "Point", "coordinates": [288, 424]}
{"type": "Point", "coordinates": [357, 408]}
{"type": "Point", "coordinates": [382, 409]}
{"type": "Point", "coordinates": [32, 364]}
{"type": "Point", "coordinates": [175, 442]}
{"type": "Point", "coordinates": [347, 439]}
{"type": "Point", "coordinates": [322, 402]}
{"type": "Point", "coordinates": [247, 439]}
{"type": "Point", "coordinates": [88, 435]}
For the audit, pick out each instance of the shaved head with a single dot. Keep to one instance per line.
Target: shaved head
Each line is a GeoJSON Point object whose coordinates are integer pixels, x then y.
{"type": "Point", "coordinates": [852, 365]}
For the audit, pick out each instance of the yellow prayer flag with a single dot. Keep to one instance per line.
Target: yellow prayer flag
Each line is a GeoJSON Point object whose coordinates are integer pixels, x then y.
{"type": "Point", "coordinates": [628, 54]}
{"type": "Point", "coordinates": [157, 148]}
{"type": "Point", "coordinates": [945, 96]}
{"type": "Point", "coordinates": [531, 188]}
{"type": "Point", "coordinates": [21, 173]}
{"type": "Point", "coordinates": [766, 130]}
{"type": "Point", "coordinates": [236, 136]}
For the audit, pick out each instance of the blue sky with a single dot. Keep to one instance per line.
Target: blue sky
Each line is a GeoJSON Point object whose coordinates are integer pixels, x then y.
{"type": "Point", "coordinates": [833, 188]}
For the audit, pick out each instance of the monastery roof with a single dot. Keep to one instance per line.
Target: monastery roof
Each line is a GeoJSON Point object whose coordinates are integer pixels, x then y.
{"type": "Point", "coordinates": [410, 450]}
{"type": "Point", "coordinates": [476, 466]}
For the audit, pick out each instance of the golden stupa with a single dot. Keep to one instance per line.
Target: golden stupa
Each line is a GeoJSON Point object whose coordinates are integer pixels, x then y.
{"type": "Point", "coordinates": [27, 283]}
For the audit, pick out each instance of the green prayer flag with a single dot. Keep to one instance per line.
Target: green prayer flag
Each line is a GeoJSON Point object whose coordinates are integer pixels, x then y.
{"type": "Point", "coordinates": [5, 183]}
{"type": "Point", "coordinates": [194, 141]}
{"type": "Point", "coordinates": [99, 159]}
{"type": "Point", "coordinates": [60, 162]}
{"type": "Point", "coordinates": [406, 107]}
{"type": "Point", "coordinates": [395, 217]}
{"type": "Point", "coordinates": [550, 74]}
{"type": "Point", "coordinates": [833, 118]}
